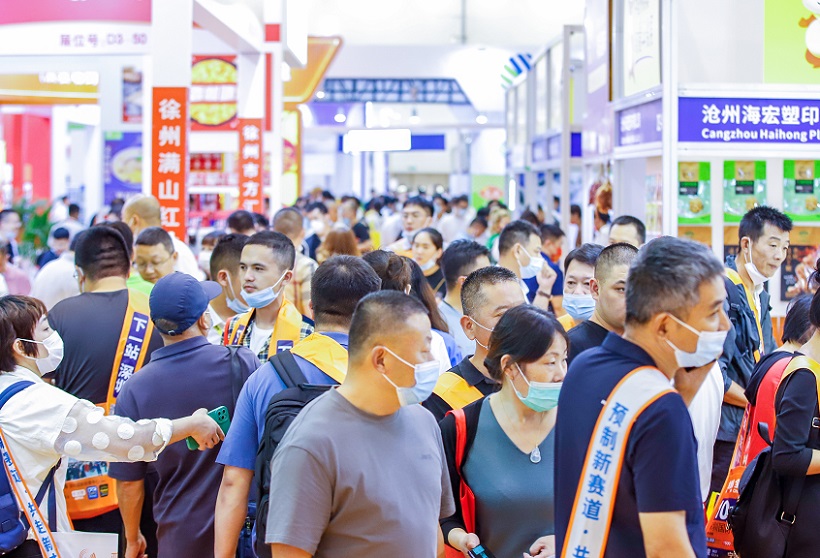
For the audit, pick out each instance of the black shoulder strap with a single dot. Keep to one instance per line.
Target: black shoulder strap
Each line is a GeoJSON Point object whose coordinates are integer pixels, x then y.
{"type": "Point", "coordinates": [286, 366]}
{"type": "Point", "coordinates": [472, 412]}
{"type": "Point", "coordinates": [236, 371]}
{"type": "Point", "coordinates": [792, 486]}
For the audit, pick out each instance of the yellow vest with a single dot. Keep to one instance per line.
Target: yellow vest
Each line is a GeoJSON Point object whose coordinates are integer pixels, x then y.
{"type": "Point", "coordinates": [325, 354]}
{"type": "Point", "coordinates": [455, 391]}
{"type": "Point", "coordinates": [288, 327]}
{"type": "Point", "coordinates": [567, 321]}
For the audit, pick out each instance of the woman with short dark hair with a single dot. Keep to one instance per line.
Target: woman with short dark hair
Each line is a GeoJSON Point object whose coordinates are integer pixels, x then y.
{"type": "Point", "coordinates": [42, 424]}
{"type": "Point", "coordinates": [508, 450]}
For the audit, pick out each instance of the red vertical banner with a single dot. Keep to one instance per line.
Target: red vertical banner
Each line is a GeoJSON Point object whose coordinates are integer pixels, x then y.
{"type": "Point", "coordinates": [169, 157]}
{"type": "Point", "coordinates": [251, 190]}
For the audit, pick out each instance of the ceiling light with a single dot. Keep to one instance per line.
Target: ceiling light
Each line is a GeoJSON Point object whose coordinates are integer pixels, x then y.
{"type": "Point", "coordinates": [481, 119]}
{"type": "Point", "coordinates": [340, 117]}
{"type": "Point", "coordinates": [320, 94]}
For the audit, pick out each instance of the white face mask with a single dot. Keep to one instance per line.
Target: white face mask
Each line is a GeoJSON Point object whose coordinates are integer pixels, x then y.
{"type": "Point", "coordinates": [754, 273]}
{"type": "Point", "coordinates": [234, 303]}
{"type": "Point", "coordinates": [533, 267]}
{"type": "Point", "coordinates": [480, 344]}
{"type": "Point", "coordinates": [426, 375]}
{"type": "Point", "coordinates": [709, 347]}
{"type": "Point", "coordinates": [429, 265]}
{"type": "Point", "coordinates": [54, 346]}
{"type": "Point", "coordinates": [204, 260]}
{"type": "Point", "coordinates": [318, 226]}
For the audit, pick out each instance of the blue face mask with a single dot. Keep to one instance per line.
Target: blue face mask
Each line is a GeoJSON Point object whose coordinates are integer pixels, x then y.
{"type": "Point", "coordinates": [580, 307]}
{"type": "Point", "coordinates": [260, 299]}
{"type": "Point", "coordinates": [426, 375]}
{"type": "Point", "coordinates": [542, 396]}
{"type": "Point", "coordinates": [235, 304]}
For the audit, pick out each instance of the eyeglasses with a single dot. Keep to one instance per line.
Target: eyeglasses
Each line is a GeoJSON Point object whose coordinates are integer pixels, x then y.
{"type": "Point", "coordinates": [154, 265]}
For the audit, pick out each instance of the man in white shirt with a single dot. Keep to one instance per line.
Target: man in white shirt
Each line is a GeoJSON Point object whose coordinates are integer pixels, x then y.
{"type": "Point", "coordinates": [55, 281]}
{"type": "Point", "coordinates": [141, 212]}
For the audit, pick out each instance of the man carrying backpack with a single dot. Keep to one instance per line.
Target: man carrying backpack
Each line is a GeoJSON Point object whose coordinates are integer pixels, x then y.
{"type": "Point", "coordinates": [338, 286]}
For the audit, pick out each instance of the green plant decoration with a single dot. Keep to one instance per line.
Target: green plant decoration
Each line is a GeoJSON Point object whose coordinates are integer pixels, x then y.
{"type": "Point", "coordinates": [36, 227]}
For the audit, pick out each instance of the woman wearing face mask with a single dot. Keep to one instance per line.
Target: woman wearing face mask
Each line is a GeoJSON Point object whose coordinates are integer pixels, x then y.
{"type": "Point", "coordinates": [507, 459]}
{"type": "Point", "coordinates": [41, 424]}
{"type": "Point", "coordinates": [428, 245]}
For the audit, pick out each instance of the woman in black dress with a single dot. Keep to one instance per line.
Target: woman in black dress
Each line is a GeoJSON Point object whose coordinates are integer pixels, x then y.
{"type": "Point", "coordinates": [428, 245]}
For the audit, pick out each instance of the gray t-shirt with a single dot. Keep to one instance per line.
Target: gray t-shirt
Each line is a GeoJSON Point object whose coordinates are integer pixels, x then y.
{"type": "Point", "coordinates": [348, 483]}
{"type": "Point", "coordinates": [514, 496]}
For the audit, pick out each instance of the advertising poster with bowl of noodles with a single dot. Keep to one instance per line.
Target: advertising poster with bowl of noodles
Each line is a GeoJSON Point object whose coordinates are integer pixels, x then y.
{"type": "Point", "coordinates": [213, 98]}
{"type": "Point", "coordinates": [122, 165]}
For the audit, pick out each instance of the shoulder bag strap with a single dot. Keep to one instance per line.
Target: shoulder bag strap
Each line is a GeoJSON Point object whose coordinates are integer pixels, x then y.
{"type": "Point", "coordinates": [236, 372]}
{"type": "Point", "coordinates": [289, 372]}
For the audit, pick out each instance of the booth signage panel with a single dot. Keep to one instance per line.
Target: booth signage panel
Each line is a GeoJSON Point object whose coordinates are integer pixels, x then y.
{"type": "Point", "coordinates": [640, 124]}
{"type": "Point", "coordinates": [169, 156]}
{"type": "Point", "coordinates": [47, 27]}
{"type": "Point", "coordinates": [250, 165]}
{"type": "Point", "coordinates": [122, 165]}
{"type": "Point", "coordinates": [726, 120]}
{"type": "Point", "coordinates": [598, 121]}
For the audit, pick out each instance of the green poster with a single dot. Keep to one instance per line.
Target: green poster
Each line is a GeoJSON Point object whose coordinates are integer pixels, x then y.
{"type": "Point", "coordinates": [744, 188]}
{"type": "Point", "coordinates": [792, 42]}
{"type": "Point", "coordinates": [801, 188]}
{"type": "Point", "coordinates": [487, 187]}
{"type": "Point", "coordinates": [694, 193]}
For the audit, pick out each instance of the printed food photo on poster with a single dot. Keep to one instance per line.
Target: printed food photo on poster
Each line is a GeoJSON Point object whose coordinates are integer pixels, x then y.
{"type": "Point", "coordinates": [122, 176]}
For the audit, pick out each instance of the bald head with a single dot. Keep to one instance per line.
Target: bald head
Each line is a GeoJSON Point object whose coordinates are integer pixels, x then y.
{"type": "Point", "coordinates": [141, 212]}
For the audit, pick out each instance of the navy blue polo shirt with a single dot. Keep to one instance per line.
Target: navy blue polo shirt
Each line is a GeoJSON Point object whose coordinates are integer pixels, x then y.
{"type": "Point", "coordinates": [660, 473]}
{"type": "Point", "coordinates": [242, 442]}
{"type": "Point", "coordinates": [557, 287]}
{"type": "Point", "coordinates": [180, 379]}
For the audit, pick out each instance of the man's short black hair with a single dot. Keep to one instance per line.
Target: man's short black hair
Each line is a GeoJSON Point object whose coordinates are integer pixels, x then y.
{"type": "Point", "coordinates": [152, 236]}
{"type": "Point", "coordinates": [124, 230]}
{"type": "Point", "coordinates": [460, 257]}
{"type": "Point", "coordinates": [753, 222]}
{"type": "Point", "coordinates": [615, 254]}
{"type": "Point", "coordinates": [240, 221]}
{"type": "Point", "coordinates": [586, 254]}
{"type": "Point", "coordinates": [381, 313]}
{"type": "Point", "coordinates": [60, 233]}
{"type": "Point", "coordinates": [797, 327]}
{"type": "Point", "coordinates": [73, 210]}
{"type": "Point", "coordinates": [317, 205]}
{"type": "Point", "coordinates": [421, 202]}
{"type": "Point", "coordinates": [517, 232]}
{"type": "Point", "coordinates": [550, 231]}
{"type": "Point", "coordinates": [101, 252]}
{"type": "Point", "coordinates": [283, 250]}
{"type": "Point", "coordinates": [337, 287]}
{"type": "Point", "coordinates": [471, 295]}
{"type": "Point", "coordinates": [260, 220]}
{"type": "Point", "coordinates": [629, 220]}
{"type": "Point", "coordinates": [4, 214]}
{"type": "Point", "coordinates": [226, 254]}
{"type": "Point", "coordinates": [575, 209]}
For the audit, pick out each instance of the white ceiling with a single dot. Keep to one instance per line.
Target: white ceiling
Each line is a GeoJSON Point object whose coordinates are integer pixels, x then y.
{"type": "Point", "coordinates": [514, 23]}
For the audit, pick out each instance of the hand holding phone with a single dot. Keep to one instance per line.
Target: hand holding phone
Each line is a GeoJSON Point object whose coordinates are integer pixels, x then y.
{"type": "Point", "coordinates": [222, 418]}
{"type": "Point", "coordinates": [480, 552]}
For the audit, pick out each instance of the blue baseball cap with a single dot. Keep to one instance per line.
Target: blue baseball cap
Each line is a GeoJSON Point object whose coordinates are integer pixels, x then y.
{"type": "Point", "coordinates": [181, 300]}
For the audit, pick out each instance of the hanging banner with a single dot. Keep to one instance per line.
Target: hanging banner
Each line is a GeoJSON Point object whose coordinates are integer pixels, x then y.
{"type": "Point", "coordinates": [251, 190]}
{"type": "Point", "coordinates": [726, 120]}
{"type": "Point", "coordinates": [213, 93]}
{"type": "Point", "coordinates": [598, 119]}
{"type": "Point", "coordinates": [70, 27]}
{"type": "Point", "coordinates": [791, 42]}
{"type": "Point", "coordinates": [641, 46]}
{"type": "Point", "coordinates": [801, 189]}
{"type": "Point", "coordinates": [122, 165]}
{"type": "Point", "coordinates": [640, 124]}
{"type": "Point", "coordinates": [292, 156]}
{"type": "Point", "coordinates": [169, 156]}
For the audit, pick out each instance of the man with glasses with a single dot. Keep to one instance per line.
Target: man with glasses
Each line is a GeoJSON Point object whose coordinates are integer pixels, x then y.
{"type": "Point", "coordinates": [154, 254]}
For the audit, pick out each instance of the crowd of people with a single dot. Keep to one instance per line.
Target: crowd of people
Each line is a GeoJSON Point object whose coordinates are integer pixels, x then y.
{"type": "Point", "coordinates": [401, 378]}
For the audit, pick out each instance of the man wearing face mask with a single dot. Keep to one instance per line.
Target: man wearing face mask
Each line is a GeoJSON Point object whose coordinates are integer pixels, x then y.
{"type": "Point", "coordinates": [579, 266]}
{"type": "Point", "coordinates": [486, 295]}
{"type": "Point", "coordinates": [273, 323]}
{"type": "Point", "coordinates": [108, 337]}
{"type": "Point", "coordinates": [764, 241]}
{"type": "Point", "coordinates": [608, 289]}
{"type": "Point", "coordinates": [187, 374]}
{"type": "Point", "coordinates": [224, 270]}
{"type": "Point", "coordinates": [620, 421]}
{"type": "Point", "coordinates": [341, 475]}
{"type": "Point", "coordinates": [519, 250]}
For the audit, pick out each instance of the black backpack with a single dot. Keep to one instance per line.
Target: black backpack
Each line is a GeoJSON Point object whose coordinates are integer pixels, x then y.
{"type": "Point", "coordinates": [282, 409]}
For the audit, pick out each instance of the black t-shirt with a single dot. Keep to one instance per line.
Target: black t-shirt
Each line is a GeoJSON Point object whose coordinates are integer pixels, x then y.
{"type": "Point", "coordinates": [90, 325]}
{"type": "Point", "coordinates": [313, 242]}
{"type": "Point", "coordinates": [437, 283]}
{"type": "Point", "coordinates": [361, 231]}
{"type": "Point", "coordinates": [585, 335]}
{"type": "Point", "coordinates": [474, 378]}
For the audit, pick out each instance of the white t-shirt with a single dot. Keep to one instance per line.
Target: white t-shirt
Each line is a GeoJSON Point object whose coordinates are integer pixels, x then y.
{"type": "Point", "coordinates": [258, 338]}
{"type": "Point", "coordinates": [55, 281]}
{"type": "Point", "coordinates": [705, 413]}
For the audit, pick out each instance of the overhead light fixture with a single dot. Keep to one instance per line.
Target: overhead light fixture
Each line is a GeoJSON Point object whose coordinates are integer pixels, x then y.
{"type": "Point", "coordinates": [414, 117]}
{"type": "Point", "coordinates": [395, 139]}
{"type": "Point", "coordinates": [481, 119]}
{"type": "Point", "coordinates": [320, 94]}
{"type": "Point", "coordinates": [340, 117]}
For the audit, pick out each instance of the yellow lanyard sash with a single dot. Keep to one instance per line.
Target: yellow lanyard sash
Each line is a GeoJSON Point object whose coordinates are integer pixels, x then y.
{"type": "Point", "coordinates": [135, 336]}
{"type": "Point", "coordinates": [324, 353]}
{"type": "Point", "coordinates": [734, 277]}
{"type": "Point", "coordinates": [287, 330]}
